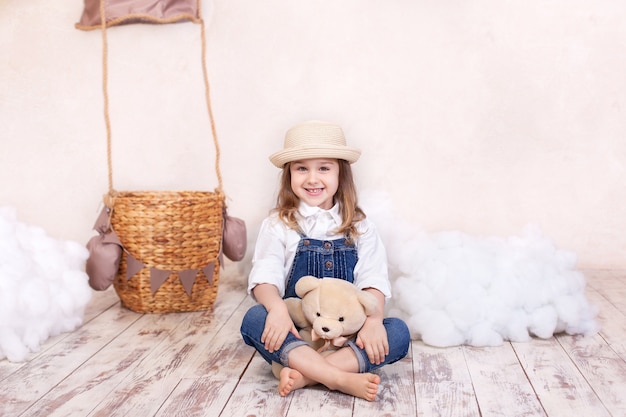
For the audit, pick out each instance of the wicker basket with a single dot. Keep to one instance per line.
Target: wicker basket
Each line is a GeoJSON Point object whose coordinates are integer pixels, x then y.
{"type": "Point", "coordinates": [170, 231]}
{"type": "Point", "coordinates": [174, 235]}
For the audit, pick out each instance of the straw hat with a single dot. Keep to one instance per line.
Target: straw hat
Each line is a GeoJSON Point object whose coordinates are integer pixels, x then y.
{"type": "Point", "coordinates": [314, 139]}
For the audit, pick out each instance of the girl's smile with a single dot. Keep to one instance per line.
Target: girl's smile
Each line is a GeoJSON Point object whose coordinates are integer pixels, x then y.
{"type": "Point", "coordinates": [314, 191]}
{"type": "Point", "coordinates": [315, 181]}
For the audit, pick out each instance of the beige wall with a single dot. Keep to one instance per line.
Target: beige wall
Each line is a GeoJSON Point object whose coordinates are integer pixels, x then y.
{"type": "Point", "coordinates": [480, 116]}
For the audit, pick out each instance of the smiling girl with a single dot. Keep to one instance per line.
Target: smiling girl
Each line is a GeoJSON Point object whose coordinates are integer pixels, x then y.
{"type": "Point", "coordinates": [317, 228]}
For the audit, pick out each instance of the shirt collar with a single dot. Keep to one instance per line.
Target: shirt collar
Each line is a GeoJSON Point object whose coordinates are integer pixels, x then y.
{"type": "Point", "coordinates": [307, 212]}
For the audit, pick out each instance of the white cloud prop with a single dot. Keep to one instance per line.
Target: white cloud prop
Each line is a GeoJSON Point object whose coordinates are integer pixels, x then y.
{"type": "Point", "coordinates": [43, 286]}
{"type": "Point", "coordinates": [452, 288]}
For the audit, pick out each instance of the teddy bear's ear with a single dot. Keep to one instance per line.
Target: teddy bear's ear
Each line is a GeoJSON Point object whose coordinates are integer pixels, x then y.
{"type": "Point", "coordinates": [306, 284]}
{"type": "Point", "coordinates": [368, 301]}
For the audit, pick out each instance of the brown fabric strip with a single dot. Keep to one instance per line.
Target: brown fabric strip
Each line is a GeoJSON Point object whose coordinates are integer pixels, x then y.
{"type": "Point", "coordinates": [132, 266]}
{"type": "Point", "coordinates": [209, 270]}
{"type": "Point", "coordinates": [187, 278]}
{"type": "Point", "coordinates": [133, 11]}
{"type": "Point", "coordinates": [157, 278]}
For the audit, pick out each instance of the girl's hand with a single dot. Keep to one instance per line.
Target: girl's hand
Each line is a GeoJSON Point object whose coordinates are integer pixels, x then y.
{"type": "Point", "coordinates": [277, 325]}
{"type": "Point", "coordinates": [278, 322]}
{"type": "Point", "coordinates": [373, 338]}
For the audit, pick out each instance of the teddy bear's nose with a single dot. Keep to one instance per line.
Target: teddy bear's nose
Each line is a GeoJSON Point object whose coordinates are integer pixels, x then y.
{"type": "Point", "coordinates": [325, 329]}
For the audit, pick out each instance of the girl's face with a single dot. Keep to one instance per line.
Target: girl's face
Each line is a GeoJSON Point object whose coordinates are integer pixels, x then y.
{"type": "Point", "coordinates": [315, 181]}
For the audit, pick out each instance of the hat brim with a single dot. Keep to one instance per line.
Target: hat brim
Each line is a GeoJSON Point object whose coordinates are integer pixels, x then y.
{"type": "Point", "coordinates": [280, 158]}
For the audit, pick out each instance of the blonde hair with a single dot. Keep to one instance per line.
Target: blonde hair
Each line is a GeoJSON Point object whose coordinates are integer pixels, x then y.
{"type": "Point", "coordinates": [287, 202]}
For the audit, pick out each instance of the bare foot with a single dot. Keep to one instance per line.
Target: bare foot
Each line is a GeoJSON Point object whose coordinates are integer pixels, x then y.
{"type": "Point", "coordinates": [290, 380]}
{"type": "Point", "coordinates": [360, 385]}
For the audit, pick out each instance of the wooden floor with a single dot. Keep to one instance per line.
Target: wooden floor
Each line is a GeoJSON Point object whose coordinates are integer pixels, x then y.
{"type": "Point", "coordinates": [195, 364]}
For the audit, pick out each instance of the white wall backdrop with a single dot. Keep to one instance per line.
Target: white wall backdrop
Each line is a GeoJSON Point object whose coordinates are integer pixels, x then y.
{"type": "Point", "coordinates": [480, 115]}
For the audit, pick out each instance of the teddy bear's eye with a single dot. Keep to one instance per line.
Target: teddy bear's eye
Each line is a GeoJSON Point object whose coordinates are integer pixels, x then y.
{"type": "Point", "coordinates": [318, 314]}
{"type": "Point", "coordinates": [340, 318]}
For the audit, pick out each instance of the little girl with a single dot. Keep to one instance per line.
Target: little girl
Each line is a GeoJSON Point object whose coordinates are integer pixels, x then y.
{"type": "Point", "coordinates": [318, 229]}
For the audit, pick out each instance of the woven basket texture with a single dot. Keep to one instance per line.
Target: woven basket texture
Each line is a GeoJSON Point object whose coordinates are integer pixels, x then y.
{"type": "Point", "coordinates": [173, 231]}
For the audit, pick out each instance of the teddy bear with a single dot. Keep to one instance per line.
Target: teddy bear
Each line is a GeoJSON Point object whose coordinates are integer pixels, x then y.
{"type": "Point", "coordinates": [330, 311]}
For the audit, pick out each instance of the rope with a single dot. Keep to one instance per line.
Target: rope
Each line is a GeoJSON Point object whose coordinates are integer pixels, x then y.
{"type": "Point", "coordinates": [207, 94]}
{"type": "Point", "coordinates": [105, 87]}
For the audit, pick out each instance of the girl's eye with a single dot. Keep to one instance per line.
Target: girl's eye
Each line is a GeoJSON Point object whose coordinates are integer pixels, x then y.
{"type": "Point", "coordinates": [340, 318]}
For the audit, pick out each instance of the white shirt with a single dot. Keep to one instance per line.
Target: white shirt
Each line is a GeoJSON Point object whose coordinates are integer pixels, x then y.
{"type": "Point", "coordinates": [276, 247]}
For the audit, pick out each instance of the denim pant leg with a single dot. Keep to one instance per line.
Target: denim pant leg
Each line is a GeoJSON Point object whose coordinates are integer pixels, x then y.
{"type": "Point", "coordinates": [252, 328]}
{"type": "Point", "coordinates": [399, 339]}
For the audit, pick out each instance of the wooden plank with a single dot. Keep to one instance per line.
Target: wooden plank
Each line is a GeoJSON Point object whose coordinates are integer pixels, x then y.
{"type": "Point", "coordinates": [84, 387]}
{"type": "Point", "coordinates": [146, 387]}
{"type": "Point", "coordinates": [200, 367]}
{"type": "Point", "coordinates": [612, 323]}
{"type": "Point", "coordinates": [616, 296]}
{"type": "Point", "coordinates": [396, 392]}
{"type": "Point", "coordinates": [37, 377]}
{"type": "Point", "coordinates": [500, 384]}
{"type": "Point", "coordinates": [218, 367]}
{"type": "Point", "coordinates": [612, 285]}
{"type": "Point", "coordinates": [557, 382]}
{"type": "Point", "coordinates": [442, 382]}
{"type": "Point", "coordinates": [257, 394]}
{"type": "Point", "coordinates": [320, 401]}
{"type": "Point", "coordinates": [603, 369]}
{"type": "Point", "coordinates": [195, 397]}
{"type": "Point", "coordinates": [605, 278]}
{"type": "Point", "coordinates": [227, 354]}
{"type": "Point", "coordinates": [98, 303]}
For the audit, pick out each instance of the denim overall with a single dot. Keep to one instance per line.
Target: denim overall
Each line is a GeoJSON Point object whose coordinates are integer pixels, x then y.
{"type": "Point", "coordinates": [322, 259]}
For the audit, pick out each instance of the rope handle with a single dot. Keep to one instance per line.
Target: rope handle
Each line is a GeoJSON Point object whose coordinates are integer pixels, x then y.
{"type": "Point", "coordinates": [108, 198]}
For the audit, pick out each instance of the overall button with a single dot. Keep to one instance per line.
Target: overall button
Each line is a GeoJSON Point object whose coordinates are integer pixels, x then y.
{"type": "Point", "coordinates": [329, 264]}
{"type": "Point", "coordinates": [328, 245]}
{"type": "Point", "coordinates": [306, 242]}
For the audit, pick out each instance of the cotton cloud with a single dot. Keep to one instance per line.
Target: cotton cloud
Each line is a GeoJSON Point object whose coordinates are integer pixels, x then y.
{"type": "Point", "coordinates": [43, 286]}
{"type": "Point", "coordinates": [452, 288]}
